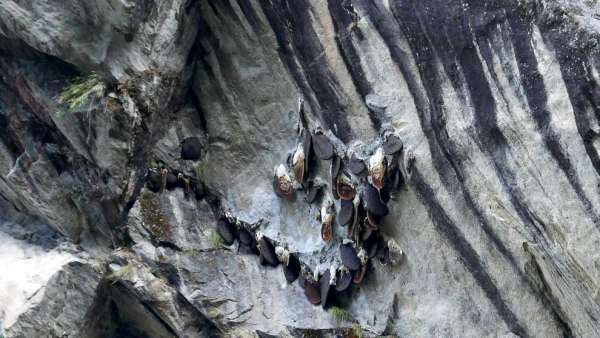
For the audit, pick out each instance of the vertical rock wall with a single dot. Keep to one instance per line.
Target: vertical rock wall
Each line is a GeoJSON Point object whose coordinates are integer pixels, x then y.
{"type": "Point", "coordinates": [498, 218]}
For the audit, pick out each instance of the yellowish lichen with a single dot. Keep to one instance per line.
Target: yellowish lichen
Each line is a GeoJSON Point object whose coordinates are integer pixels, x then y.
{"type": "Point", "coordinates": [200, 170]}
{"type": "Point", "coordinates": [215, 239]}
{"type": "Point", "coordinates": [354, 332]}
{"type": "Point", "coordinates": [121, 273]}
{"type": "Point", "coordinates": [340, 315]}
{"type": "Point", "coordinates": [188, 252]}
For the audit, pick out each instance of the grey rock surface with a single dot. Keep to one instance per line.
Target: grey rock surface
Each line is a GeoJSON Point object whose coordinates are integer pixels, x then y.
{"type": "Point", "coordinates": [496, 102]}
{"type": "Point", "coordinates": [61, 305]}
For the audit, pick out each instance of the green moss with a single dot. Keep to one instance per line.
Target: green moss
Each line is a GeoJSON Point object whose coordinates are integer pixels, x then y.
{"type": "Point", "coordinates": [340, 315]}
{"type": "Point", "coordinates": [121, 273]}
{"type": "Point", "coordinates": [79, 90]}
{"type": "Point", "coordinates": [215, 239]}
{"type": "Point", "coordinates": [200, 169]}
{"type": "Point", "coordinates": [61, 113]}
{"type": "Point", "coordinates": [188, 252]}
{"type": "Point", "coordinates": [355, 331]}
{"type": "Point", "coordinates": [152, 216]}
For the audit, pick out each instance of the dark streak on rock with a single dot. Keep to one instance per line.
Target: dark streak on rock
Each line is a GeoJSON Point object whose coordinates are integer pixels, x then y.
{"type": "Point", "coordinates": [250, 15]}
{"type": "Point", "coordinates": [444, 151]}
{"type": "Point", "coordinates": [224, 10]}
{"type": "Point", "coordinates": [214, 8]}
{"type": "Point", "coordinates": [342, 19]}
{"type": "Point", "coordinates": [583, 91]}
{"type": "Point", "coordinates": [446, 154]}
{"type": "Point", "coordinates": [489, 136]}
{"type": "Point", "coordinates": [538, 280]}
{"type": "Point", "coordinates": [304, 56]}
{"type": "Point", "coordinates": [227, 8]}
{"type": "Point", "coordinates": [195, 102]}
{"type": "Point", "coordinates": [434, 128]}
{"type": "Point", "coordinates": [533, 84]}
{"type": "Point", "coordinates": [468, 255]}
{"type": "Point", "coordinates": [206, 35]}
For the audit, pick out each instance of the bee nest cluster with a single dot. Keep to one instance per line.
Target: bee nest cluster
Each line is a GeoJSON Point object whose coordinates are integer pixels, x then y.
{"type": "Point", "coordinates": [363, 187]}
{"type": "Point", "coordinates": [161, 178]}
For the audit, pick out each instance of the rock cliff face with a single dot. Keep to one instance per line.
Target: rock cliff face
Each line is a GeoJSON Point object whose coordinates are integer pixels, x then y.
{"type": "Point", "coordinates": [497, 104]}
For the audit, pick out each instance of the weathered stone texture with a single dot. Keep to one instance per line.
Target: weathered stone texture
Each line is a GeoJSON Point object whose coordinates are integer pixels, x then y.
{"type": "Point", "coordinates": [498, 219]}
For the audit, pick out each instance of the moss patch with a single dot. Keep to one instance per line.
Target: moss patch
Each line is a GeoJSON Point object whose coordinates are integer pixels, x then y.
{"type": "Point", "coordinates": [354, 332]}
{"type": "Point", "coordinates": [121, 273]}
{"type": "Point", "coordinates": [340, 315]}
{"type": "Point", "coordinates": [188, 252]}
{"type": "Point", "coordinates": [79, 90]}
{"type": "Point", "coordinates": [200, 170]}
{"type": "Point", "coordinates": [215, 239]}
{"type": "Point", "coordinates": [152, 216]}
